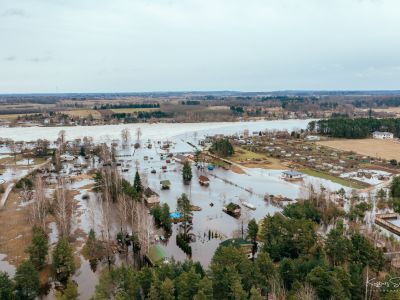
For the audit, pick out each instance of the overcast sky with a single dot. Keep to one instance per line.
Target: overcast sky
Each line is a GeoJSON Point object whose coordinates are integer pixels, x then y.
{"type": "Point", "coordinates": [170, 45]}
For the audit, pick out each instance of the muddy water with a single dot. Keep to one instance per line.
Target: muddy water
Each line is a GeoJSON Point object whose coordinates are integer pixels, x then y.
{"type": "Point", "coordinates": [219, 193]}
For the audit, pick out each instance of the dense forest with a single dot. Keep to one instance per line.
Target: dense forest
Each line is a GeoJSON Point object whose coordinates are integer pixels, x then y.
{"type": "Point", "coordinates": [354, 128]}
{"type": "Point", "coordinates": [294, 262]}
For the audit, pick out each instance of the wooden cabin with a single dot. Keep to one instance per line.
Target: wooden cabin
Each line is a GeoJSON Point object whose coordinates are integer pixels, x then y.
{"type": "Point", "coordinates": [203, 180]}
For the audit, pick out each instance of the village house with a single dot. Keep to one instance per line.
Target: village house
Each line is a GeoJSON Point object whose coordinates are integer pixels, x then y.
{"type": "Point", "coordinates": [203, 180]}
{"type": "Point", "coordinates": [382, 135]}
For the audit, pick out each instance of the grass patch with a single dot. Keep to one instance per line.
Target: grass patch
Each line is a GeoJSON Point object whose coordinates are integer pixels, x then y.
{"type": "Point", "coordinates": [243, 155]}
{"type": "Point", "coordinates": [343, 181]}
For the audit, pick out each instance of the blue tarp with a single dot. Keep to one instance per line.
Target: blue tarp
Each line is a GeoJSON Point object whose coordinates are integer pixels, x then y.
{"type": "Point", "coordinates": [175, 215]}
{"type": "Point", "coordinates": [210, 167]}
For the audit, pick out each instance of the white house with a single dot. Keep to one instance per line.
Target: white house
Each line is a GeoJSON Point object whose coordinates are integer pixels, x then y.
{"type": "Point", "coordinates": [382, 135]}
{"type": "Point", "coordinates": [312, 138]}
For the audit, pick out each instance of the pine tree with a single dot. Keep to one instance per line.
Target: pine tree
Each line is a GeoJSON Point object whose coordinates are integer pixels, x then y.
{"type": "Point", "coordinates": [237, 291]}
{"type": "Point", "coordinates": [167, 290]}
{"type": "Point", "coordinates": [255, 294]}
{"type": "Point", "coordinates": [70, 292]}
{"type": "Point", "coordinates": [137, 184]}
{"type": "Point", "coordinates": [39, 248]}
{"type": "Point", "coordinates": [185, 208]}
{"type": "Point", "coordinates": [205, 290]}
{"type": "Point", "coordinates": [6, 287]}
{"type": "Point", "coordinates": [63, 260]}
{"type": "Point", "coordinates": [187, 172]}
{"type": "Point", "coordinates": [27, 281]}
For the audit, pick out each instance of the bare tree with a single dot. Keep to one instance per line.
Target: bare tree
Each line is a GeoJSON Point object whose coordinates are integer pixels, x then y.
{"type": "Point", "coordinates": [40, 206]}
{"type": "Point", "coordinates": [63, 208]}
{"type": "Point", "coordinates": [61, 140]}
{"type": "Point", "coordinates": [306, 292]}
{"type": "Point", "coordinates": [14, 149]}
{"type": "Point", "coordinates": [138, 134]}
{"type": "Point", "coordinates": [125, 137]}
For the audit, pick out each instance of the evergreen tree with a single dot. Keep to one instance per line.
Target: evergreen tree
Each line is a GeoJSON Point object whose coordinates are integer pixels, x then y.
{"type": "Point", "coordinates": [70, 292]}
{"type": "Point", "coordinates": [338, 245]}
{"type": "Point", "coordinates": [185, 208]}
{"type": "Point", "coordinates": [255, 294]}
{"type": "Point", "coordinates": [38, 248]}
{"type": "Point", "coordinates": [137, 184]}
{"type": "Point", "coordinates": [6, 287]}
{"type": "Point", "coordinates": [252, 231]}
{"type": "Point", "coordinates": [237, 292]}
{"type": "Point", "coordinates": [63, 260]}
{"type": "Point", "coordinates": [205, 290]}
{"type": "Point", "coordinates": [27, 281]}
{"type": "Point", "coordinates": [167, 290]}
{"type": "Point", "coordinates": [222, 147]}
{"type": "Point", "coordinates": [187, 172]}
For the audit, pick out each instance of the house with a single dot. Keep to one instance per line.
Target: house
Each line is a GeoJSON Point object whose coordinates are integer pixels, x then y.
{"type": "Point", "coordinates": [203, 180]}
{"type": "Point", "coordinates": [380, 135]}
{"type": "Point", "coordinates": [245, 247]}
{"type": "Point", "coordinates": [67, 157]}
{"type": "Point", "coordinates": [312, 138]}
{"type": "Point", "coordinates": [152, 197]}
{"type": "Point", "coordinates": [179, 158]}
{"type": "Point", "coordinates": [292, 175]}
{"type": "Point", "coordinates": [165, 184]}
{"type": "Point", "coordinates": [232, 209]}
{"type": "Point", "coordinates": [156, 255]}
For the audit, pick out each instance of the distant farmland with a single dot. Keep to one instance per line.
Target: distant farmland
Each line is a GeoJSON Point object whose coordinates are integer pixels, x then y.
{"type": "Point", "coordinates": [387, 149]}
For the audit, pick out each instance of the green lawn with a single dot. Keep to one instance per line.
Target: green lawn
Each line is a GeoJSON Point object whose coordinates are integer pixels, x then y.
{"type": "Point", "coordinates": [339, 180]}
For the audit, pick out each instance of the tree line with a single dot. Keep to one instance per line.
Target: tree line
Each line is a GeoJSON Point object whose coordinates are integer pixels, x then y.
{"type": "Point", "coordinates": [354, 128]}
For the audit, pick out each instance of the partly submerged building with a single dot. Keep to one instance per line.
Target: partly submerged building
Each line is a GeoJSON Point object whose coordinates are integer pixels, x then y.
{"type": "Point", "coordinates": [244, 246]}
{"type": "Point", "coordinates": [203, 180]}
{"type": "Point", "coordinates": [292, 175]}
{"type": "Point", "coordinates": [156, 255]}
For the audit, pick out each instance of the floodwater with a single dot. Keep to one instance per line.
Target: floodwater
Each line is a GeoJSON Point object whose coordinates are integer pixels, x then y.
{"type": "Point", "coordinates": [225, 186]}
{"type": "Point", "coordinates": [104, 133]}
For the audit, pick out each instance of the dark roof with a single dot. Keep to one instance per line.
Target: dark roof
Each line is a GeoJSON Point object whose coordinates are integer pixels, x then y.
{"type": "Point", "coordinates": [236, 243]}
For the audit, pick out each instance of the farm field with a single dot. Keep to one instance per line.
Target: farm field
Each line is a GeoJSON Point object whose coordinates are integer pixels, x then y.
{"type": "Point", "coordinates": [83, 113]}
{"type": "Point", "coordinates": [387, 149]}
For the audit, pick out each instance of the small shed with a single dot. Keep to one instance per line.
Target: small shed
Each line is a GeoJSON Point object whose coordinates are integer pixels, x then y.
{"type": "Point", "coordinates": [204, 180]}
{"type": "Point", "coordinates": [151, 197]}
{"type": "Point", "coordinates": [165, 184]}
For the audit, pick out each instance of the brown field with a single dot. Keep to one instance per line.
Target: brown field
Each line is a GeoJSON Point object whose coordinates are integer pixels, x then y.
{"type": "Point", "coordinates": [387, 149]}
{"type": "Point", "coordinates": [9, 117]}
{"type": "Point", "coordinates": [392, 110]}
{"type": "Point", "coordinates": [83, 113]}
